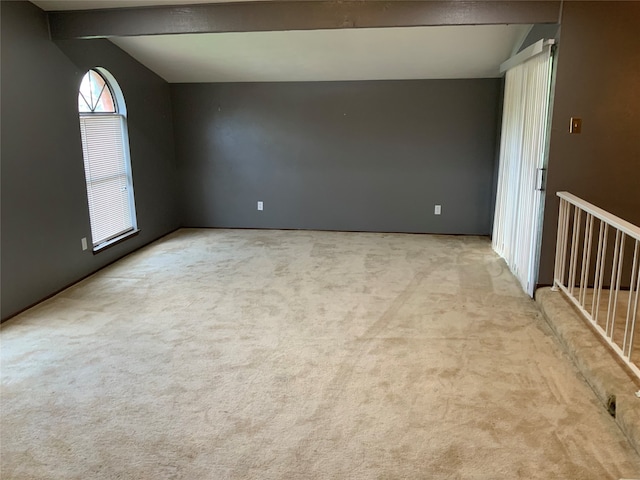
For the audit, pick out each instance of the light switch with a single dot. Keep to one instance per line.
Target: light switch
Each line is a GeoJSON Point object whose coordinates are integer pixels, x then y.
{"type": "Point", "coordinates": [576, 125]}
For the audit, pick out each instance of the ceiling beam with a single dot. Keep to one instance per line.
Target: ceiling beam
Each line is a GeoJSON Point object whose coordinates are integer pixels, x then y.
{"type": "Point", "coordinates": [294, 15]}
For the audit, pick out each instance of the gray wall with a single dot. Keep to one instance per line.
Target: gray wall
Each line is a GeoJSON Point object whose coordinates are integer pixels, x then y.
{"type": "Point", "coordinates": [356, 156]}
{"type": "Point", "coordinates": [598, 79]}
{"type": "Point", "coordinates": [44, 202]}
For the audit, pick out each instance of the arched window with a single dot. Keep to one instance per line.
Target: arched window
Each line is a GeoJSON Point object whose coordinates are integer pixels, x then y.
{"type": "Point", "coordinates": [105, 148]}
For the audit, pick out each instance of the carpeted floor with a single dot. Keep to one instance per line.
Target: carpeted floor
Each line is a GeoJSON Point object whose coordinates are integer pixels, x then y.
{"type": "Point", "coordinates": [219, 354]}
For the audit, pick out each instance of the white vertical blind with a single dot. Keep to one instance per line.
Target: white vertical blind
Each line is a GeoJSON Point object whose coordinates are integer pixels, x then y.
{"type": "Point", "coordinates": [522, 150]}
{"type": "Point", "coordinates": [106, 170]}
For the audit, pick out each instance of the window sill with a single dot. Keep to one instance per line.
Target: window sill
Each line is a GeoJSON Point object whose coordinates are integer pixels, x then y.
{"type": "Point", "coordinates": [115, 241]}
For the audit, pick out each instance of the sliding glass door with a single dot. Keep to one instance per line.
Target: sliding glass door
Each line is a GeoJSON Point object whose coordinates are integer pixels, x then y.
{"type": "Point", "coordinates": [519, 200]}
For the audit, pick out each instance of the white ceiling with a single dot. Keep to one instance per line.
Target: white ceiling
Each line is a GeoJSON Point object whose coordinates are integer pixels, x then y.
{"type": "Point", "coordinates": [315, 55]}
{"type": "Point", "coordinates": [323, 55]}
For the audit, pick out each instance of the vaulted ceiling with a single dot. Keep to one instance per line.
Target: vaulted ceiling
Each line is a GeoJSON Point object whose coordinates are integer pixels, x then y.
{"type": "Point", "coordinates": [348, 54]}
{"type": "Point", "coordinates": [415, 52]}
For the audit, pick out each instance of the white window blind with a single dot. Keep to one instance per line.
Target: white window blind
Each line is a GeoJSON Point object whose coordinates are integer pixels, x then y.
{"type": "Point", "coordinates": [106, 170]}
{"type": "Point", "coordinates": [519, 200]}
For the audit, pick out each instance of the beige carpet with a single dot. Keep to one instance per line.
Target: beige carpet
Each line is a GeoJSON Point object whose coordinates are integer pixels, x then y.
{"type": "Point", "coordinates": [599, 365]}
{"type": "Point", "coordinates": [217, 354]}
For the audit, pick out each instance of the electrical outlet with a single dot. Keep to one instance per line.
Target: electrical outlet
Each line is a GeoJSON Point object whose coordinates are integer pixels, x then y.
{"type": "Point", "coordinates": [84, 243]}
{"type": "Point", "coordinates": [260, 206]}
{"type": "Point", "coordinates": [437, 210]}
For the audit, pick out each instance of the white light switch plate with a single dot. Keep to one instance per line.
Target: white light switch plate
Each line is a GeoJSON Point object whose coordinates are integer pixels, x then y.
{"type": "Point", "coordinates": [260, 206]}
{"type": "Point", "coordinates": [437, 210]}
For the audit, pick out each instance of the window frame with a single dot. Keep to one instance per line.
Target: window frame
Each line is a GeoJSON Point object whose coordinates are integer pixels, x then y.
{"type": "Point", "coordinates": [120, 113]}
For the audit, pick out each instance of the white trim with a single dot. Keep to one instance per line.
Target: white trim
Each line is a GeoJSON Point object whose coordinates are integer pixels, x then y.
{"type": "Point", "coordinates": [529, 52]}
